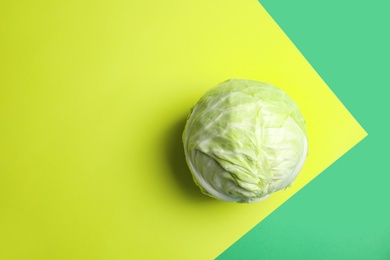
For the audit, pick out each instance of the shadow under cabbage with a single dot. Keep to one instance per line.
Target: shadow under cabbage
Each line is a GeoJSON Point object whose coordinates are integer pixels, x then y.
{"type": "Point", "coordinates": [176, 159]}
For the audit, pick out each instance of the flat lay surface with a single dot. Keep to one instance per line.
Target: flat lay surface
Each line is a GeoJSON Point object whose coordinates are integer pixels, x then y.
{"type": "Point", "coordinates": [93, 101]}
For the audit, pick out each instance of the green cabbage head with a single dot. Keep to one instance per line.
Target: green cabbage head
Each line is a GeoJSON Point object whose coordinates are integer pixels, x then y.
{"type": "Point", "coordinates": [244, 140]}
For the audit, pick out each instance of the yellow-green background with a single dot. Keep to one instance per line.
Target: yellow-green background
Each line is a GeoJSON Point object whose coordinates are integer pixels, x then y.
{"type": "Point", "coordinates": [93, 97]}
{"type": "Point", "coordinates": [343, 213]}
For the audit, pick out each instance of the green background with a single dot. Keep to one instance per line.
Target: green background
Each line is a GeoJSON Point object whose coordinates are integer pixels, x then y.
{"type": "Point", "coordinates": [345, 212]}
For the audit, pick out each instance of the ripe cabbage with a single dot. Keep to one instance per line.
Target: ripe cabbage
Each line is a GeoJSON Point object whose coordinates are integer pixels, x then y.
{"type": "Point", "coordinates": [244, 140]}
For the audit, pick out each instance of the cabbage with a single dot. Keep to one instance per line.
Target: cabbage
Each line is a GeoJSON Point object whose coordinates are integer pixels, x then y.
{"type": "Point", "coordinates": [244, 140]}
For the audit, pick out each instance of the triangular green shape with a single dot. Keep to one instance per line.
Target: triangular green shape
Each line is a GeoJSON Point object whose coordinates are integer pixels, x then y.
{"type": "Point", "coordinates": [342, 214]}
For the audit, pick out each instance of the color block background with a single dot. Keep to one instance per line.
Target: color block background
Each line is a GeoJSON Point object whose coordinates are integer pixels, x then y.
{"type": "Point", "coordinates": [344, 213]}
{"type": "Point", "coordinates": [93, 97]}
